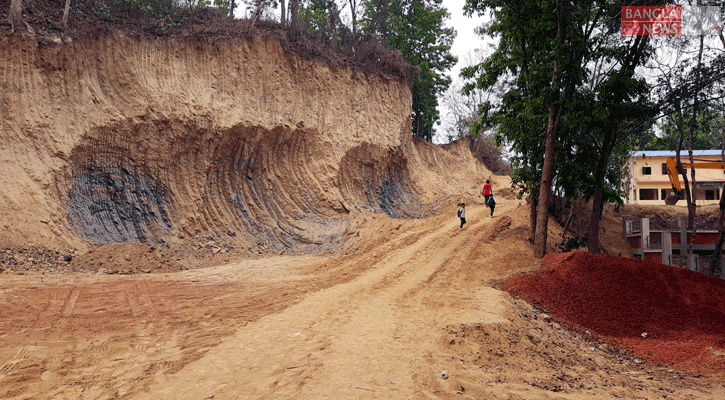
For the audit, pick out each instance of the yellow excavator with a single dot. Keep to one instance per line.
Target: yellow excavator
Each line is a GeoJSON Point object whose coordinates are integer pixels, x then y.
{"type": "Point", "coordinates": [674, 176]}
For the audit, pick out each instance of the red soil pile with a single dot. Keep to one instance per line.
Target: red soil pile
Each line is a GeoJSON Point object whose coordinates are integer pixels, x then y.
{"type": "Point", "coordinates": [620, 299]}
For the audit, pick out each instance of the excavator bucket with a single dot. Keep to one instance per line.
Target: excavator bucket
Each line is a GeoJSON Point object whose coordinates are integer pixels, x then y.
{"type": "Point", "coordinates": [672, 199]}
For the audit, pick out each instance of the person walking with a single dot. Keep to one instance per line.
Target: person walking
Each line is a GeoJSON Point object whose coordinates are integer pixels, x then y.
{"type": "Point", "coordinates": [462, 214]}
{"type": "Point", "coordinates": [487, 191]}
{"type": "Point", "coordinates": [492, 204]}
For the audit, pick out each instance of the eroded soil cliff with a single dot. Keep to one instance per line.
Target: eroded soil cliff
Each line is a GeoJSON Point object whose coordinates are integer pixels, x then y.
{"type": "Point", "coordinates": [109, 139]}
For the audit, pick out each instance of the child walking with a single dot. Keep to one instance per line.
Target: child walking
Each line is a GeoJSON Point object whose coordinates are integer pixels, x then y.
{"type": "Point", "coordinates": [492, 204]}
{"type": "Point", "coordinates": [462, 214]}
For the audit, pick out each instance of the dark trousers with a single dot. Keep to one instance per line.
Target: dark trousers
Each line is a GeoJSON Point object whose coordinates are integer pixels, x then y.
{"type": "Point", "coordinates": [463, 221]}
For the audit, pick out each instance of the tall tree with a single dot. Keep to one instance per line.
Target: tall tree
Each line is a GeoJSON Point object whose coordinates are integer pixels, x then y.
{"type": "Point", "coordinates": [547, 171]}
{"type": "Point", "coordinates": [353, 13]}
{"type": "Point", "coordinates": [416, 28]}
{"type": "Point", "coordinates": [721, 214]}
{"type": "Point", "coordinates": [624, 99]}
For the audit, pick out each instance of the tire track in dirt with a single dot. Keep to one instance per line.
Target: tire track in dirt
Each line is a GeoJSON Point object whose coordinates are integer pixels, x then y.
{"type": "Point", "coordinates": [321, 345]}
{"type": "Point", "coordinates": [70, 301]}
{"type": "Point", "coordinates": [12, 364]}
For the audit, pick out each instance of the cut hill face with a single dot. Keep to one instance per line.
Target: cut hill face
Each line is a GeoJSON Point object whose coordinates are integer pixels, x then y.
{"type": "Point", "coordinates": [163, 142]}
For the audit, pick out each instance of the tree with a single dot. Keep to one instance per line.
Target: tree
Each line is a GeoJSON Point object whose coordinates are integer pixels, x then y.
{"type": "Point", "coordinates": [555, 107]}
{"type": "Point", "coordinates": [353, 13]}
{"type": "Point", "coordinates": [533, 64]}
{"type": "Point", "coordinates": [721, 214]}
{"type": "Point", "coordinates": [416, 28]}
{"type": "Point", "coordinates": [707, 135]}
{"type": "Point", "coordinates": [15, 17]}
{"type": "Point", "coordinates": [65, 13]}
{"type": "Point", "coordinates": [572, 101]}
{"type": "Point", "coordinates": [323, 18]}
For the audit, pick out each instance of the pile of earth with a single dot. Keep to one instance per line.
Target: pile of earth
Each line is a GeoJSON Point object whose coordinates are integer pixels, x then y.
{"type": "Point", "coordinates": [126, 258]}
{"type": "Point", "coordinates": [662, 314]}
{"type": "Point", "coordinates": [32, 259]}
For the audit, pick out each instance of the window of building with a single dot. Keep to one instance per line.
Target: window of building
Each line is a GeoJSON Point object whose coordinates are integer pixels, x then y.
{"type": "Point", "coordinates": [664, 168]}
{"type": "Point", "coordinates": [712, 195]}
{"type": "Point", "coordinates": [663, 193]}
{"type": "Point", "coordinates": [648, 194]}
{"type": "Point", "coordinates": [646, 170]}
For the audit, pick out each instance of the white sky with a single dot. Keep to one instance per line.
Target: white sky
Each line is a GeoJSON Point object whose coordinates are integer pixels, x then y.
{"type": "Point", "coordinates": [465, 43]}
{"type": "Point", "coordinates": [466, 40]}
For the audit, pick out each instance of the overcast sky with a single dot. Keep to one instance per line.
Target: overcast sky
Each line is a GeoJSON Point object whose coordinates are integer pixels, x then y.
{"type": "Point", "coordinates": [466, 40]}
{"type": "Point", "coordinates": [465, 43]}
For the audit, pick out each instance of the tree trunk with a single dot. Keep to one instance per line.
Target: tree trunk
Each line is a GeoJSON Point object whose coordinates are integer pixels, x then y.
{"type": "Point", "coordinates": [15, 15]}
{"type": "Point", "coordinates": [533, 202]}
{"type": "Point", "coordinates": [282, 20]}
{"type": "Point", "coordinates": [568, 221]}
{"type": "Point", "coordinates": [721, 216]}
{"type": "Point", "coordinates": [65, 13]}
{"type": "Point", "coordinates": [232, 7]}
{"type": "Point", "coordinates": [353, 9]}
{"type": "Point", "coordinates": [542, 213]}
{"type": "Point", "coordinates": [598, 200]}
{"type": "Point", "coordinates": [692, 200]}
{"type": "Point", "coordinates": [596, 215]}
{"type": "Point", "coordinates": [294, 9]}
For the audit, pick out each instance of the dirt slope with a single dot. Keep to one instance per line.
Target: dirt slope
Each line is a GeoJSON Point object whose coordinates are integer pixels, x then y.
{"type": "Point", "coordinates": [415, 300]}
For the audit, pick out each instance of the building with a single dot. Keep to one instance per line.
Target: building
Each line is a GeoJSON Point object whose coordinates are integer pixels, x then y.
{"type": "Point", "coordinates": [648, 183]}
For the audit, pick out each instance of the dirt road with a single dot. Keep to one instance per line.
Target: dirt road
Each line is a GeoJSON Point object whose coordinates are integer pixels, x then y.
{"type": "Point", "coordinates": [382, 322]}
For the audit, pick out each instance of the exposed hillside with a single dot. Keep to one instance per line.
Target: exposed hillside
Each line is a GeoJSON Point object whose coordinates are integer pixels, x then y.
{"type": "Point", "coordinates": [110, 139]}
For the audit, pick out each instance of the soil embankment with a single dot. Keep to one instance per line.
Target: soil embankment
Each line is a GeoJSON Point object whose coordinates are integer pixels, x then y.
{"type": "Point", "coordinates": [174, 143]}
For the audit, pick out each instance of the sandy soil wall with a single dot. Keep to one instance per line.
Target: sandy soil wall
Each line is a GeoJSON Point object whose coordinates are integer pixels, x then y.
{"type": "Point", "coordinates": [116, 140]}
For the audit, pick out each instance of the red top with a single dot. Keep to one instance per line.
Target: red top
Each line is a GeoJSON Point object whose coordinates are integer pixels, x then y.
{"type": "Point", "coordinates": [486, 189]}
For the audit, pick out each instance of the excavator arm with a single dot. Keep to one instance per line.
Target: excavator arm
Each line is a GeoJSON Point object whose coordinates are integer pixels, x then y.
{"type": "Point", "coordinates": [674, 176]}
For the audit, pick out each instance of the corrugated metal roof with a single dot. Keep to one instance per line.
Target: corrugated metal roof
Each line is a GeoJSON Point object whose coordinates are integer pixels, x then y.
{"type": "Point", "coordinates": [665, 153]}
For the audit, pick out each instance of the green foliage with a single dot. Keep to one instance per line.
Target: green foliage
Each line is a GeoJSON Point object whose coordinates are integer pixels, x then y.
{"type": "Point", "coordinates": [323, 19]}
{"type": "Point", "coordinates": [318, 13]}
{"type": "Point", "coordinates": [223, 5]}
{"type": "Point", "coordinates": [416, 28]}
{"type": "Point", "coordinates": [708, 135]}
{"type": "Point", "coordinates": [588, 72]}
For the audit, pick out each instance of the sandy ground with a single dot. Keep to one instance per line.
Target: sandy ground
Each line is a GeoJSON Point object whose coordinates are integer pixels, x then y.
{"type": "Point", "coordinates": [387, 321]}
